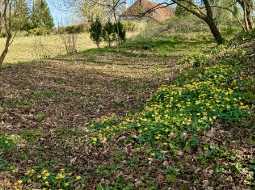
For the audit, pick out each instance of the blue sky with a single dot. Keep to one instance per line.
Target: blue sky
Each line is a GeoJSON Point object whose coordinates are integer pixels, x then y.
{"type": "Point", "coordinates": [68, 16]}
{"type": "Point", "coordinates": [62, 14]}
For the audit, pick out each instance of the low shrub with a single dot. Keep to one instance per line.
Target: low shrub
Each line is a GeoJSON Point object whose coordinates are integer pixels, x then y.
{"type": "Point", "coordinates": [75, 29]}
{"type": "Point", "coordinates": [39, 31]}
{"type": "Point", "coordinates": [196, 60]}
{"type": "Point", "coordinates": [110, 32]}
{"type": "Point", "coordinates": [228, 52]}
{"type": "Point", "coordinates": [96, 32]}
{"type": "Point", "coordinates": [186, 24]}
{"type": "Point", "coordinates": [120, 31]}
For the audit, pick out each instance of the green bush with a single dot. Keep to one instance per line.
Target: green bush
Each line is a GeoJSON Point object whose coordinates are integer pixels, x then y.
{"type": "Point", "coordinates": [74, 29]}
{"type": "Point", "coordinates": [96, 31]}
{"type": "Point", "coordinates": [39, 31]}
{"type": "Point", "coordinates": [114, 32]}
{"type": "Point", "coordinates": [120, 31]}
{"type": "Point", "coordinates": [109, 33]}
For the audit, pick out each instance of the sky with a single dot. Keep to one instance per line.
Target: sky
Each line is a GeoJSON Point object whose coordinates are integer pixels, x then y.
{"type": "Point", "coordinates": [63, 16]}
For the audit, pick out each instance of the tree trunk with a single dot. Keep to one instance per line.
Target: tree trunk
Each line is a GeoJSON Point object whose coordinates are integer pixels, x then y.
{"type": "Point", "coordinates": [209, 19]}
{"type": "Point", "coordinates": [247, 7]}
{"type": "Point", "coordinates": [109, 42]}
{"type": "Point", "coordinates": [5, 51]}
{"type": "Point", "coordinates": [118, 31]}
{"type": "Point", "coordinates": [249, 19]}
{"type": "Point", "coordinates": [215, 31]}
{"type": "Point", "coordinates": [250, 23]}
{"type": "Point", "coordinates": [245, 18]}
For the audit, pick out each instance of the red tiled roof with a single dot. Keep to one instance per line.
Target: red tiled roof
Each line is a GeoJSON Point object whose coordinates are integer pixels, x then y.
{"type": "Point", "coordinates": [159, 14]}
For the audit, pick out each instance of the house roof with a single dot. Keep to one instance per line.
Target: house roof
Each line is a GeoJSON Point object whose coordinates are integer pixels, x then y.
{"type": "Point", "coordinates": [159, 14]}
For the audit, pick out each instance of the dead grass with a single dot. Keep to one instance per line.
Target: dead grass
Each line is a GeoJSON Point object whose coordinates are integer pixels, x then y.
{"type": "Point", "coordinates": [32, 47]}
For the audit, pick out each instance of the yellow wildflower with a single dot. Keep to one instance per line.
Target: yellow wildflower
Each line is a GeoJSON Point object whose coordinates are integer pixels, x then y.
{"type": "Point", "coordinates": [60, 176]}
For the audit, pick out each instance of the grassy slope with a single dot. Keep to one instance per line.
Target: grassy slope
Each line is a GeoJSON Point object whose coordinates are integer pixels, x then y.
{"type": "Point", "coordinates": [195, 131]}
{"type": "Point", "coordinates": [36, 47]}
{"type": "Point", "coordinates": [30, 48]}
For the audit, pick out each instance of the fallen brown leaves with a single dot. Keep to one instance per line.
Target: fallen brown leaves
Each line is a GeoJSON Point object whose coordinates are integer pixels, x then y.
{"type": "Point", "coordinates": [62, 94]}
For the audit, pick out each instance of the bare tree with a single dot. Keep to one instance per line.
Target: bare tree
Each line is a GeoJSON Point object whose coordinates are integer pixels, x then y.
{"type": "Point", "coordinates": [202, 9]}
{"type": "Point", "coordinates": [247, 7]}
{"type": "Point", "coordinates": [70, 42]}
{"type": "Point", "coordinates": [6, 26]}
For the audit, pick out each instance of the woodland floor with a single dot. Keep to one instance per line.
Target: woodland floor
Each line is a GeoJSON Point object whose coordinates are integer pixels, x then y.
{"type": "Point", "coordinates": [39, 99]}
{"type": "Point", "coordinates": [69, 93]}
{"type": "Point", "coordinates": [46, 106]}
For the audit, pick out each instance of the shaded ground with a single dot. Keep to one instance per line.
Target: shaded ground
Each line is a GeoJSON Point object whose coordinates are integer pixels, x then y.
{"type": "Point", "coordinates": [42, 103]}
{"type": "Point", "coordinates": [59, 94]}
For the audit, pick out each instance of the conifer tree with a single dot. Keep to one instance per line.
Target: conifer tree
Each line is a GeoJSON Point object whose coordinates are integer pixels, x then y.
{"type": "Point", "coordinates": [96, 31]}
{"type": "Point", "coordinates": [109, 33]}
{"type": "Point", "coordinates": [41, 16]}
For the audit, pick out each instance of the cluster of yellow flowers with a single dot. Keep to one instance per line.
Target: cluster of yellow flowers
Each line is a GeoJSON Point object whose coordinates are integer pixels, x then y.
{"type": "Point", "coordinates": [48, 180]}
{"type": "Point", "coordinates": [192, 105]}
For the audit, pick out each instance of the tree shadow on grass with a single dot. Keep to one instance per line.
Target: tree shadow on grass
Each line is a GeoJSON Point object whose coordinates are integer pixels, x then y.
{"type": "Point", "coordinates": [59, 94]}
